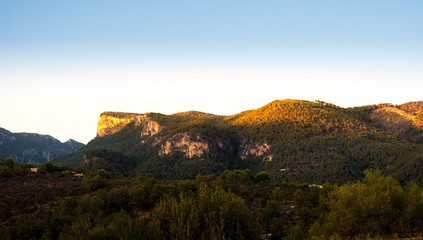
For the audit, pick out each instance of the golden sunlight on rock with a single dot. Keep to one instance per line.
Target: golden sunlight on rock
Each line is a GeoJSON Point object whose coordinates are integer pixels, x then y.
{"type": "Point", "coordinates": [109, 124]}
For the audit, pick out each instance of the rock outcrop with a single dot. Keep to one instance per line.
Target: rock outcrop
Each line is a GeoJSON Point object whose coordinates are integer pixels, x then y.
{"type": "Point", "coordinates": [110, 122]}
{"type": "Point", "coordinates": [182, 142]}
{"type": "Point", "coordinates": [257, 150]}
{"type": "Point", "coordinates": [149, 127]}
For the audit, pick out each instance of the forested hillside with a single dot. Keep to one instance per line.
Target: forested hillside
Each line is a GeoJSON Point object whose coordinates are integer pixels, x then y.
{"type": "Point", "coordinates": [291, 139]}
{"type": "Point", "coordinates": [55, 204]}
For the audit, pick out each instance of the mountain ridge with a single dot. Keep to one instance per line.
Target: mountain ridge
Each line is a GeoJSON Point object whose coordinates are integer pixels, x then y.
{"type": "Point", "coordinates": [291, 139]}
{"type": "Point", "coordinates": [33, 148]}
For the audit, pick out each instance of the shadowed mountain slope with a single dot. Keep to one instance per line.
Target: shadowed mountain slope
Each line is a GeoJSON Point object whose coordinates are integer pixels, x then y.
{"type": "Point", "coordinates": [33, 148]}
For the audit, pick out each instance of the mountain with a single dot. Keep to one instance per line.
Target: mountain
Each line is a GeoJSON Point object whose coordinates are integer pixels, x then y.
{"type": "Point", "coordinates": [33, 148]}
{"type": "Point", "coordinates": [290, 139]}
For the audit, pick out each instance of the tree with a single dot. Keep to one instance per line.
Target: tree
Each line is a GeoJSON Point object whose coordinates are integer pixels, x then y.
{"type": "Point", "coordinates": [263, 177]}
{"type": "Point", "coordinates": [173, 219]}
{"type": "Point", "coordinates": [9, 162]}
{"type": "Point", "coordinates": [213, 214]}
{"type": "Point", "coordinates": [370, 207]}
{"type": "Point", "coordinates": [51, 168]}
{"type": "Point", "coordinates": [104, 174]}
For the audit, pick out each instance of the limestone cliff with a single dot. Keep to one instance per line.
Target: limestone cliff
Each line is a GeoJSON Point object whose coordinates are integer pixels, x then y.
{"type": "Point", "coordinates": [182, 142]}
{"type": "Point", "coordinates": [149, 126]}
{"type": "Point", "coordinates": [111, 122]}
{"type": "Point", "coordinates": [257, 150]}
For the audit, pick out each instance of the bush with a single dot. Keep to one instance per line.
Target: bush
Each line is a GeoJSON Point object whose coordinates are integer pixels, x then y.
{"type": "Point", "coordinates": [51, 168]}
{"type": "Point", "coordinates": [104, 174]}
{"type": "Point", "coordinates": [95, 183]}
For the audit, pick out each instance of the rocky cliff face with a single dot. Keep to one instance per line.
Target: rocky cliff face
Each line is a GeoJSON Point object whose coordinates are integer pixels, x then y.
{"type": "Point", "coordinates": [110, 123]}
{"type": "Point", "coordinates": [191, 147]}
{"type": "Point", "coordinates": [257, 150]}
{"type": "Point", "coordinates": [149, 127]}
{"type": "Point", "coordinates": [195, 145]}
{"type": "Point", "coordinates": [33, 148]}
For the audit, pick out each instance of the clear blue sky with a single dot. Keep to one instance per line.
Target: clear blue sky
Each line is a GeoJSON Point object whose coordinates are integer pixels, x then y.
{"type": "Point", "coordinates": [64, 62]}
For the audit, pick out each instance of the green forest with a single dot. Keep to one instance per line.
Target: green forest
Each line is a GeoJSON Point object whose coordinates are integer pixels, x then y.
{"type": "Point", "coordinates": [53, 203]}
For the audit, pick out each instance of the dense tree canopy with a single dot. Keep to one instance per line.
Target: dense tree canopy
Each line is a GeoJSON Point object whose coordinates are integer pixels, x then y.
{"type": "Point", "coordinates": [235, 205]}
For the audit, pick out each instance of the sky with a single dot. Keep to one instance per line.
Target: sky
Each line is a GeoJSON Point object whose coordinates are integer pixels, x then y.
{"type": "Point", "coordinates": [62, 63]}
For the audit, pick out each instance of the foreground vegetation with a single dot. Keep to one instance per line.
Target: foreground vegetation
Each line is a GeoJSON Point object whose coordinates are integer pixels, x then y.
{"type": "Point", "coordinates": [54, 204]}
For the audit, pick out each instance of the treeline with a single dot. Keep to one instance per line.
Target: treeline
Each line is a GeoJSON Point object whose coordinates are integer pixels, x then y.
{"type": "Point", "coordinates": [10, 168]}
{"type": "Point", "coordinates": [235, 205]}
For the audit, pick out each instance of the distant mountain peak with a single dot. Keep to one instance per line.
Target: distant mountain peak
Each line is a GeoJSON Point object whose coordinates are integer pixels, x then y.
{"type": "Point", "coordinates": [33, 147]}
